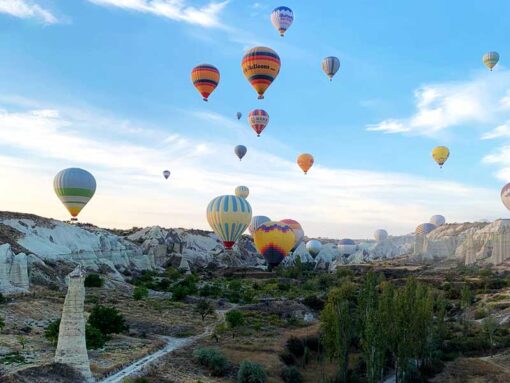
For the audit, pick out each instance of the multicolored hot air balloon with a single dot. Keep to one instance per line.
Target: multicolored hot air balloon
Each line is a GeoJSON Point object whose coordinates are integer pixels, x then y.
{"type": "Point", "coordinates": [242, 191]}
{"type": "Point", "coordinates": [490, 59]}
{"type": "Point", "coordinates": [74, 187]}
{"type": "Point", "coordinates": [256, 221]}
{"type": "Point", "coordinates": [331, 65]}
{"type": "Point", "coordinates": [314, 247]}
{"type": "Point", "coordinates": [229, 216]}
{"type": "Point", "coordinates": [166, 174]}
{"type": "Point", "coordinates": [205, 78]}
{"type": "Point", "coordinates": [305, 162]}
{"type": "Point", "coordinates": [505, 196]}
{"type": "Point", "coordinates": [258, 120]}
{"type": "Point", "coordinates": [440, 155]}
{"type": "Point", "coordinates": [299, 233]}
{"type": "Point", "coordinates": [424, 228]}
{"type": "Point", "coordinates": [346, 247]}
{"type": "Point", "coordinates": [260, 66]}
{"type": "Point", "coordinates": [240, 151]}
{"type": "Point", "coordinates": [282, 18]}
{"type": "Point", "coordinates": [437, 220]}
{"type": "Point", "coordinates": [239, 115]}
{"type": "Point", "coordinates": [380, 235]}
{"type": "Point", "coordinates": [273, 240]}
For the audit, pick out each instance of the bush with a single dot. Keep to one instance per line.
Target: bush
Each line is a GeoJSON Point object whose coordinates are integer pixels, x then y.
{"type": "Point", "coordinates": [250, 372]}
{"type": "Point", "coordinates": [291, 375]}
{"type": "Point", "coordinates": [213, 359]}
{"type": "Point", "coordinates": [287, 358]}
{"type": "Point", "coordinates": [3, 299]}
{"type": "Point", "coordinates": [93, 337]}
{"type": "Point", "coordinates": [314, 302]}
{"type": "Point", "coordinates": [93, 280]}
{"type": "Point", "coordinates": [295, 346]}
{"type": "Point", "coordinates": [51, 332]}
{"type": "Point", "coordinates": [140, 292]}
{"type": "Point", "coordinates": [108, 320]}
{"type": "Point", "coordinates": [209, 290]}
{"type": "Point", "coordinates": [234, 319]}
{"type": "Point", "coordinates": [204, 308]}
{"type": "Point", "coordinates": [480, 313]}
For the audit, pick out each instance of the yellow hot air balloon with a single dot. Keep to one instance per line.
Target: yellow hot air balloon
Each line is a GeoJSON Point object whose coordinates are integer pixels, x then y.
{"type": "Point", "coordinates": [440, 155]}
{"type": "Point", "coordinates": [205, 78]}
{"type": "Point", "coordinates": [260, 66]}
{"type": "Point", "coordinates": [305, 161]}
{"type": "Point", "coordinates": [274, 240]}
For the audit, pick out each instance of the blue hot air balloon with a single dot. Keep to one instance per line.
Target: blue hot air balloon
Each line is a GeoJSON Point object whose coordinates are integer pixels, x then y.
{"type": "Point", "coordinates": [240, 151]}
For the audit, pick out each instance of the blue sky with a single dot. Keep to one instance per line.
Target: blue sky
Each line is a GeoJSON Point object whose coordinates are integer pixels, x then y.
{"type": "Point", "coordinates": [105, 85]}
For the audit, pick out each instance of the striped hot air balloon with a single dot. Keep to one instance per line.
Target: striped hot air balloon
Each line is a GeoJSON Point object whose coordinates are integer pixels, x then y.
{"type": "Point", "coordinates": [258, 120]}
{"type": "Point", "coordinates": [242, 191]}
{"type": "Point", "coordinates": [74, 187]}
{"type": "Point", "coordinates": [274, 240]}
{"type": "Point", "coordinates": [205, 78]}
{"type": "Point", "coordinates": [314, 247]}
{"type": "Point", "coordinates": [330, 65]}
{"type": "Point", "coordinates": [424, 228]}
{"type": "Point", "coordinates": [437, 220]}
{"type": "Point", "coordinates": [282, 18]}
{"type": "Point", "coordinates": [346, 247]}
{"type": "Point", "coordinates": [256, 221]}
{"type": "Point", "coordinates": [260, 66]}
{"type": "Point", "coordinates": [305, 162]}
{"type": "Point", "coordinates": [380, 235]}
{"type": "Point", "coordinates": [298, 231]}
{"type": "Point", "coordinates": [229, 216]}
{"type": "Point", "coordinates": [240, 151]}
{"type": "Point", "coordinates": [490, 59]}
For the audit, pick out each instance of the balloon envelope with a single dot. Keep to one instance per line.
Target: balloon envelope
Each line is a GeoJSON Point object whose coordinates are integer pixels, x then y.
{"type": "Point", "coordinates": [274, 240]}
{"type": "Point", "coordinates": [314, 247]}
{"type": "Point", "coordinates": [256, 221]}
{"type": "Point", "coordinates": [380, 235]}
{"type": "Point", "coordinates": [166, 173]}
{"type": "Point", "coordinates": [205, 78]}
{"type": "Point", "coordinates": [239, 115]}
{"type": "Point", "coordinates": [505, 196]}
{"type": "Point", "coordinates": [282, 18]}
{"type": "Point", "coordinates": [490, 59]}
{"type": "Point", "coordinates": [74, 187]}
{"type": "Point", "coordinates": [260, 66]}
{"type": "Point", "coordinates": [305, 162]}
{"type": "Point", "coordinates": [258, 120]}
{"type": "Point", "coordinates": [424, 228]}
{"type": "Point", "coordinates": [437, 220]}
{"type": "Point", "coordinates": [346, 247]}
{"type": "Point", "coordinates": [229, 216]}
{"type": "Point", "coordinates": [440, 154]}
{"type": "Point", "coordinates": [298, 231]}
{"type": "Point", "coordinates": [242, 191]}
{"type": "Point", "coordinates": [330, 65]}
{"type": "Point", "coordinates": [240, 151]}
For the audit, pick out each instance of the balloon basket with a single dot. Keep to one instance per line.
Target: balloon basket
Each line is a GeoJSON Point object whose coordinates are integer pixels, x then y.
{"type": "Point", "coordinates": [261, 97]}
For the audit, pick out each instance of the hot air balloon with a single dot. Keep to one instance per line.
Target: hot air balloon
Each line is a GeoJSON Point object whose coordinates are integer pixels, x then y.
{"type": "Point", "coordinates": [346, 247]}
{"type": "Point", "coordinates": [380, 235]}
{"type": "Point", "coordinates": [305, 162]}
{"type": "Point", "coordinates": [298, 231]}
{"type": "Point", "coordinates": [440, 155]}
{"type": "Point", "coordinates": [330, 65]}
{"type": "Point", "coordinates": [229, 216]}
{"type": "Point", "coordinates": [260, 66]}
{"type": "Point", "coordinates": [437, 220]}
{"type": "Point", "coordinates": [205, 77]}
{"type": "Point", "coordinates": [314, 247]}
{"type": "Point", "coordinates": [256, 221]}
{"type": "Point", "coordinates": [258, 119]}
{"type": "Point", "coordinates": [166, 173]}
{"type": "Point", "coordinates": [239, 115]}
{"type": "Point", "coordinates": [240, 151]}
{"type": "Point", "coordinates": [505, 196]}
{"type": "Point", "coordinates": [490, 59]}
{"type": "Point", "coordinates": [424, 228]}
{"type": "Point", "coordinates": [273, 240]}
{"type": "Point", "coordinates": [282, 18]}
{"type": "Point", "coordinates": [74, 187]}
{"type": "Point", "coordinates": [242, 191]}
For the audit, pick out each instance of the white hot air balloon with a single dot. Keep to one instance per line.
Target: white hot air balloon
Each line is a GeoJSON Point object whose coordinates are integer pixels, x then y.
{"type": "Point", "coordinates": [437, 220]}
{"type": "Point", "coordinates": [346, 247]}
{"type": "Point", "coordinates": [380, 235]}
{"type": "Point", "coordinates": [314, 247]}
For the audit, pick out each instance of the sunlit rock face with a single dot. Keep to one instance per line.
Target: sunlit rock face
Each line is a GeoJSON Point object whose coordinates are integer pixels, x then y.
{"type": "Point", "coordinates": [13, 270]}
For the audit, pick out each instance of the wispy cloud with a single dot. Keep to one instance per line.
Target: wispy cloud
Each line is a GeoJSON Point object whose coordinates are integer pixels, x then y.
{"type": "Point", "coordinates": [498, 132]}
{"type": "Point", "coordinates": [178, 10]}
{"type": "Point", "coordinates": [26, 9]}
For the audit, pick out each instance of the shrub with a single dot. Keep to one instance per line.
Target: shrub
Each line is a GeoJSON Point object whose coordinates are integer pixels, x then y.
{"type": "Point", "coordinates": [51, 332]}
{"type": "Point", "coordinates": [140, 292]}
{"type": "Point", "coordinates": [209, 290]}
{"type": "Point", "coordinates": [204, 308]}
{"type": "Point", "coordinates": [3, 299]}
{"type": "Point", "coordinates": [295, 346]}
{"type": "Point", "coordinates": [234, 319]}
{"type": "Point", "coordinates": [480, 313]}
{"type": "Point", "coordinates": [164, 284]}
{"type": "Point", "coordinates": [213, 359]}
{"type": "Point", "coordinates": [108, 320]}
{"type": "Point", "coordinates": [93, 280]}
{"type": "Point", "coordinates": [314, 302]}
{"type": "Point", "coordinates": [179, 293]}
{"type": "Point", "coordinates": [250, 372]}
{"type": "Point", "coordinates": [287, 358]}
{"type": "Point", "coordinates": [93, 337]}
{"type": "Point", "coordinates": [291, 375]}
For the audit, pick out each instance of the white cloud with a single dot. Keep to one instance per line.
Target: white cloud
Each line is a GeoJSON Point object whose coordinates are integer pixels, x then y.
{"type": "Point", "coordinates": [26, 9]}
{"type": "Point", "coordinates": [178, 10]}
{"type": "Point", "coordinates": [500, 131]}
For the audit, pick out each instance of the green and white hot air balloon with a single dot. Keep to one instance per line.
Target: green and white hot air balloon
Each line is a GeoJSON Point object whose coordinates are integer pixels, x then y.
{"type": "Point", "coordinates": [74, 187]}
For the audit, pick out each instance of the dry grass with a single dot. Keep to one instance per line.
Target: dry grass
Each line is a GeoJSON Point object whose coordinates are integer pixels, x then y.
{"type": "Point", "coordinates": [472, 370]}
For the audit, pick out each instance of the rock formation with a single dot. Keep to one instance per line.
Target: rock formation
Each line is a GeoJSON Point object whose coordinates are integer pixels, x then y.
{"type": "Point", "coordinates": [71, 346]}
{"type": "Point", "coordinates": [13, 270]}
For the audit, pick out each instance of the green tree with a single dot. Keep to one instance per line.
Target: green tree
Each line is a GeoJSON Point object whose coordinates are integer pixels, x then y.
{"type": "Point", "coordinates": [108, 320]}
{"type": "Point", "coordinates": [204, 308]}
{"type": "Point", "coordinates": [51, 332]}
{"type": "Point", "coordinates": [140, 292]}
{"type": "Point", "coordinates": [466, 297]}
{"type": "Point", "coordinates": [93, 337]}
{"type": "Point", "coordinates": [93, 280]}
{"type": "Point", "coordinates": [22, 341]}
{"type": "Point", "coordinates": [235, 320]}
{"type": "Point", "coordinates": [490, 325]}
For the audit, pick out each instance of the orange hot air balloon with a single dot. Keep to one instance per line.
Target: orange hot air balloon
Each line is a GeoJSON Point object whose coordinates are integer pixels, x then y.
{"type": "Point", "coordinates": [305, 162]}
{"type": "Point", "coordinates": [260, 66]}
{"type": "Point", "coordinates": [205, 78]}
